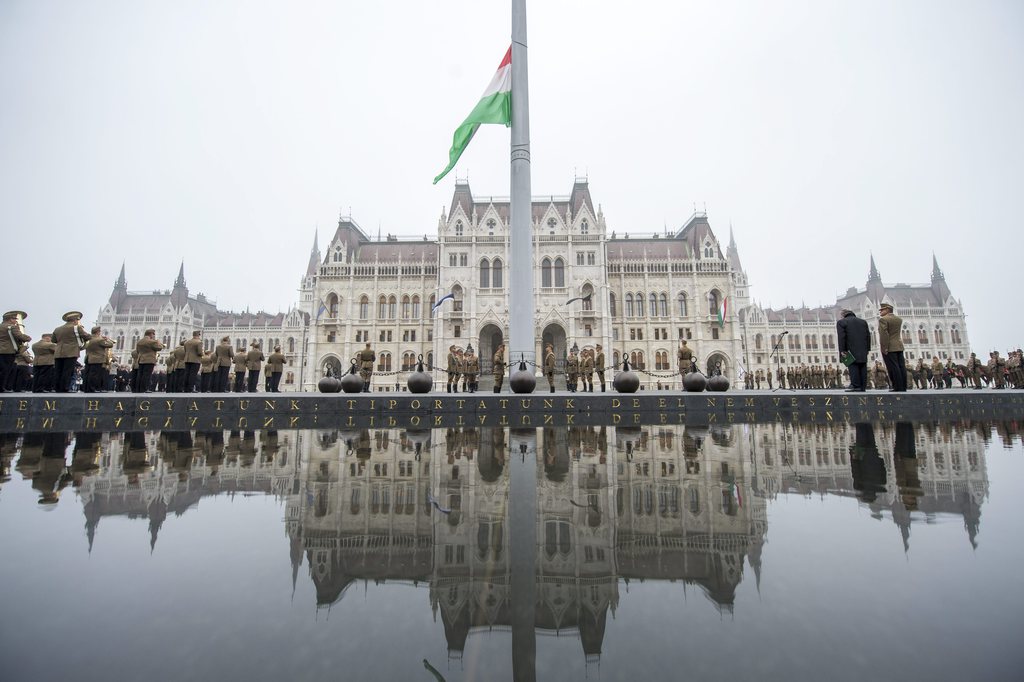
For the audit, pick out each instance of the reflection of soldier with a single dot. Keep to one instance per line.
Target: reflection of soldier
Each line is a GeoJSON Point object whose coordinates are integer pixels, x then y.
{"type": "Point", "coordinates": [549, 366]}
{"type": "Point", "coordinates": [499, 367]}
{"type": "Point", "coordinates": [866, 463]}
{"type": "Point", "coordinates": [366, 359]}
{"type": "Point", "coordinates": [599, 365]}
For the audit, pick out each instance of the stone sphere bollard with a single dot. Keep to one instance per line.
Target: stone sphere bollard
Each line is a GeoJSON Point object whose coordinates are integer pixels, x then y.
{"type": "Point", "coordinates": [420, 381]}
{"type": "Point", "coordinates": [329, 384]}
{"type": "Point", "coordinates": [694, 382]}
{"type": "Point", "coordinates": [626, 381]}
{"type": "Point", "coordinates": [522, 380]}
{"type": "Point", "coordinates": [718, 383]}
{"type": "Point", "coordinates": [352, 382]}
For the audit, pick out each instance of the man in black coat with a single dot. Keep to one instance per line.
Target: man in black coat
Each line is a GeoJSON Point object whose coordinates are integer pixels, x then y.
{"type": "Point", "coordinates": [855, 337]}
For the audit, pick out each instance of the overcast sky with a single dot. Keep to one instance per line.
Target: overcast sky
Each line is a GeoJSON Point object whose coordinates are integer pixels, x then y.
{"type": "Point", "coordinates": [223, 133]}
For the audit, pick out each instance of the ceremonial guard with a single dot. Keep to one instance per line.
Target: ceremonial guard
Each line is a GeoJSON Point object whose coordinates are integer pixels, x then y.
{"type": "Point", "coordinates": [193, 361]}
{"type": "Point", "coordinates": [549, 366]}
{"type": "Point", "coordinates": [453, 369]}
{"type": "Point", "coordinates": [147, 347]}
{"type": "Point", "coordinates": [253, 362]}
{"type": "Point", "coordinates": [572, 371]}
{"type": "Point", "coordinates": [179, 368]}
{"type": "Point", "coordinates": [12, 336]}
{"type": "Point", "coordinates": [599, 365]}
{"type": "Point", "coordinates": [498, 369]}
{"type": "Point", "coordinates": [42, 375]}
{"type": "Point", "coordinates": [224, 354]}
{"type": "Point", "coordinates": [23, 370]}
{"type": "Point", "coordinates": [781, 376]}
{"type": "Point", "coordinates": [472, 370]}
{"type": "Point", "coordinates": [684, 357]}
{"type": "Point", "coordinates": [366, 359]}
{"type": "Point", "coordinates": [891, 344]}
{"type": "Point", "coordinates": [996, 368]}
{"type": "Point", "coordinates": [206, 372]}
{"type": "Point", "coordinates": [276, 361]}
{"type": "Point", "coordinates": [587, 370]}
{"type": "Point", "coordinates": [239, 362]}
{"type": "Point", "coordinates": [95, 359]}
{"type": "Point", "coordinates": [974, 366]}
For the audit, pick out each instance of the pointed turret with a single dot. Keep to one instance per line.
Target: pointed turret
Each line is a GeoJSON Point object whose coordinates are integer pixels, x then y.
{"type": "Point", "coordinates": [939, 286]}
{"type": "Point", "coordinates": [180, 293]}
{"type": "Point", "coordinates": [875, 289]}
{"type": "Point", "coordinates": [120, 292]}
{"type": "Point", "coordinates": [314, 256]}
{"type": "Point", "coordinates": [733, 253]}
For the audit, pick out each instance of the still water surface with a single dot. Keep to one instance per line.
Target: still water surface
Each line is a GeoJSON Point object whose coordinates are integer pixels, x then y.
{"type": "Point", "coordinates": [849, 551]}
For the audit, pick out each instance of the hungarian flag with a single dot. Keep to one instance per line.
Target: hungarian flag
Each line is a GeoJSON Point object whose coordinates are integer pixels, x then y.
{"type": "Point", "coordinates": [723, 311]}
{"type": "Point", "coordinates": [494, 107]}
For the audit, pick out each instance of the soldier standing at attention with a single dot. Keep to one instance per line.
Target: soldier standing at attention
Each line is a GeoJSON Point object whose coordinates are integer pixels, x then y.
{"type": "Point", "coordinates": [996, 369]}
{"type": "Point", "coordinates": [366, 360]}
{"type": "Point", "coordinates": [224, 353]}
{"type": "Point", "coordinates": [684, 356]}
{"type": "Point", "coordinates": [147, 348]}
{"type": "Point", "coordinates": [453, 369]}
{"type": "Point", "coordinates": [179, 367]}
{"type": "Point", "coordinates": [206, 372]}
{"type": "Point", "coordinates": [70, 338]}
{"type": "Point", "coordinates": [253, 362]}
{"type": "Point", "coordinates": [95, 358]}
{"type": "Point", "coordinates": [498, 370]}
{"type": "Point", "coordinates": [276, 361]}
{"type": "Point", "coordinates": [587, 370]}
{"type": "Point", "coordinates": [461, 365]}
{"type": "Point", "coordinates": [472, 370]}
{"type": "Point", "coordinates": [599, 365]}
{"type": "Point", "coordinates": [974, 370]}
{"type": "Point", "coordinates": [239, 360]}
{"type": "Point", "coordinates": [549, 365]}
{"type": "Point", "coordinates": [42, 377]}
{"type": "Point", "coordinates": [891, 344]}
{"type": "Point", "coordinates": [193, 360]}
{"type": "Point", "coordinates": [11, 338]}
{"type": "Point", "coordinates": [572, 370]}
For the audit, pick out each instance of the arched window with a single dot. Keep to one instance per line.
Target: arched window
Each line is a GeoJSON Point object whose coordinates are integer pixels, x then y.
{"type": "Point", "coordinates": [938, 334]}
{"type": "Point", "coordinates": [429, 310]}
{"type": "Point", "coordinates": [654, 304]}
{"type": "Point", "coordinates": [638, 361]}
{"type": "Point", "coordinates": [120, 341]}
{"type": "Point", "coordinates": [167, 339]}
{"type": "Point", "coordinates": [415, 307]}
{"type": "Point", "coordinates": [584, 227]}
{"type": "Point", "coordinates": [758, 341]}
{"type": "Point", "coordinates": [408, 361]}
{"type": "Point", "coordinates": [681, 300]}
{"type": "Point", "coordinates": [332, 305]}
{"type": "Point", "coordinates": [545, 272]}
{"type": "Point", "coordinates": [640, 305]}
{"type": "Point", "coordinates": [458, 228]}
{"type": "Point", "coordinates": [615, 358]}
{"type": "Point", "coordinates": [629, 305]}
{"type": "Point", "coordinates": [611, 305]}
{"type": "Point", "coordinates": [392, 307]}
{"type": "Point", "coordinates": [497, 274]}
{"type": "Point", "coordinates": [405, 307]}
{"type": "Point", "coordinates": [384, 362]}
{"type": "Point", "coordinates": [922, 335]}
{"type": "Point", "coordinates": [291, 344]}
{"type": "Point", "coordinates": [430, 360]}
{"type": "Point", "coordinates": [807, 341]}
{"type": "Point", "coordinates": [714, 300]}
{"type": "Point", "coordinates": [559, 272]}
{"type": "Point", "coordinates": [364, 308]}
{"type": "Point", "coordinates": [382, 307]}
{"type": "Point", "coordinates": [485, 274]}
{"type": "Point", "coordinates": [907, 337]}
{"type": "Point", "coordinates": [663, 305]}
{"type": "Point", "coordinates": [954, 334]}
{"type": "Point", "coordinates": [588, 297]}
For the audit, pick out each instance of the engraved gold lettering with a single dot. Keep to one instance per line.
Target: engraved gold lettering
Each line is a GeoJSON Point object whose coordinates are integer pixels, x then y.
{"type": "Point", "coordinates": [218, 404]}
{"type": "Point", "coordinates": [549, 418]}
{"type": "Point", "coordinates": [292, 421]}
{"type": "Point", "coordinates": [92, 405]}
{"type": "Point", "coordinates": [712, 402]}
{"type": "Point", "coordinates": [243, 422]}
{"type": "Point", "coordinates": [48, 422]}
{"type": "Point", "coordinates": [243, 405]}
{"type": "Point", "coordinates": [548, 404]}
{"type": "Point", "coordinates": [525, 403]}
{"type": "Point", "coordinates": [661, 404]}
{"type": "Point", "coordinates": [293, 405]}
{"type": "Point", "coordinates": [414, 420]}
{"type": "Point", "coordinates": [415, 404]}
{"type": "Point", "coordinates": [119, 407]}
{"type": "Point", "coordinates": [437, 404]}
{"type": "Point", "coordinates": [268, 422]}
{"type": "Point", "coordinates": [50, 405]}
{"type": "Point", "coordinates": [615, 403]}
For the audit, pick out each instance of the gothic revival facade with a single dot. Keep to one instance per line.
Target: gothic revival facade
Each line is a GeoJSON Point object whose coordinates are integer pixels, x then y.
{"type": "Point", "coordinates": [637, 296]}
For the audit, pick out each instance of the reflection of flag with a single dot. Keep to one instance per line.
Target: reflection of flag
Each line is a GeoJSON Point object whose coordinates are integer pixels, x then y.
{"type": "Point", "coordinates": [495, 106]}
{"type": "Point", "coordinates": [322, 310]}
{"type": "Point", "coordinates": [446, 297]}
{"type": "Point", "coordinates": [723, 311]}
{"type": "Point", "coordinates": [580, 298]}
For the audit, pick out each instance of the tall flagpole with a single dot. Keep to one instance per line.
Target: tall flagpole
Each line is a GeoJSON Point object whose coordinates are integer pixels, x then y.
{"type": "Point", "coordinates": [521, 300]}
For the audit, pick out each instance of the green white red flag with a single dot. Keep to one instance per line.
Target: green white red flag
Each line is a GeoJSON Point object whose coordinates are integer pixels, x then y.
{"type": "Point", "coordinates": [495, 106]}
{"type": "Point", "coordinates": [723, 311]}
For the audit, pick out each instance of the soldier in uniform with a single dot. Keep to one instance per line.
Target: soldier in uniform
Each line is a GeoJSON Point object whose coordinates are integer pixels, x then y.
{"type": "Point", "coordinates": [42, 376]}
{"type": "Point", "coordinates": [461, 364]}
{"type": "Point", "coordinates": [239, 360]}
{"type": "Point", "coordinates": [549, 366]}
{"type": "Point", "coordinates": [599, 364]}
{"type": "Point", "coordinates": [224, 354]}
{"type": "Point", "coordinates": [996, 367]}
{"type": "Point", "coordinates": [11, 338]}
{"type": "Point", "coordinates": [587, 369]}
{"type": "Point", "coordinates": [453, 369]}
{"type": "Point", "coordinates": [277, 361]}
{"type": "Point", "coordinates": [498, 369]}
{"type": "Point", "coordinates": [253, 363]}
{"type": "Point", "coordinates": [193, 361]}
{"type": "Point", "coordinates": [366, 359]}
{"type": "Point", "coordinates": [179, 367]}
{"type": "Point", "coordinates": [572, 370]}
{"type": "Point", "coordinates": [937, 373]}
{"type": "Point", "coordinates": [206, 373]}
{"type": "Point", "coordinates": [684, 357]}
{"type": "Point", "coordinates": [781, 376]}
{"type": "Point", "coordinates": [472, 370]}
{"type": "Point", "coordinates": [147, 347]}
{"type": "Point", "coordinates": [70, 339]}
{"type": "Point", "coordinates": [95, 358]}
{"type": "Point", "coordinates": [23, 370]}
{"type": "Point", "coordinates": [891, 344]}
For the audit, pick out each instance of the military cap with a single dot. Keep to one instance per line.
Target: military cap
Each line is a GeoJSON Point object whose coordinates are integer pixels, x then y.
{"type": "Point", "coordinates": [149, 331]}
{"type": "Point", "coordinates": [71, 314]}
{"type": "Point", "coordinates": [15, 313]}
{"type": "Point", "coordinates": [95, 330]}
{"type": "Point", "coordinates": [885, 306]}
{"type": "Point", "coordinates": [226, 339]}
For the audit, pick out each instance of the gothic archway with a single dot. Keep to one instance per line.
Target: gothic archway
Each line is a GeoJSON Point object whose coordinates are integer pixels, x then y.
{"type": "Point", "coordinates": [332, 363]}
{"type": "Point", "coordinates": [717, 363]}
{"type": "Point", "coordinates": [490, 338]}
{"type": "Point", "coordinates": [555, 335]}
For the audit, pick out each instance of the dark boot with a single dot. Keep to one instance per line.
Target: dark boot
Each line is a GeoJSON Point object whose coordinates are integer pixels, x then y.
{"type": "Point", "coordinates": [449, 386]}
{"type": "Point", "coordinates": [497, 390]}
{"type": "Point", "coordinates": [602, 388]}
{"type": "Point", "coordinates": [552, 389]}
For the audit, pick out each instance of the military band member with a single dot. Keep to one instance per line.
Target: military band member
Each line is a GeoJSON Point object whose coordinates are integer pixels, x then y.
{"type": "Point", "coordinates": [179, 368]}
{"type": "Point", "coordinates": [240, 362]}
{"type": "Point", "coordinates": [253, 363]}
{"type": "Point", "coordinates": [276, 362]}
{"type": "Point", "coordinates": [42, 375]}
{"type": "Point", "coordinates": [11, 339]}
{"type": "Point", "coordinates": [95, 379]}
{"type": "Point", "coordinates": [453, 369]}
{"type": "Point", "coordinates": [147, 348]}
{"type": "Point", "coordinates": [472, 370]}
{"type": "Point", "coordinates": [206, 372]}
{"type": "Point", "coordinates": [70, 339]}
{"type": "Point", "coordinates": [599, 365]}
{"type": "Point", "coordinates": [23, 370]}
{"type": "Point", "coordinates": [587, 370]}
{"type": "Point", "coordinates": [366, 359]}
{"type": "Point", "coordinates": [549, 365]}
{"type": "Point", "coordinates": [572, 371]}
{"type": "Point", "coordinates": [498, 370]}
{"type": "Point", "coordinates": [193, 361]}
{"type": "Point", "coordinates": [224, 354]}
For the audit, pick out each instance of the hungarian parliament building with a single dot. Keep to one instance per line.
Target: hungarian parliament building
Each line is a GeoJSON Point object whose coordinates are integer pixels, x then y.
{"type": "Point", "coordinates": [638, 295]}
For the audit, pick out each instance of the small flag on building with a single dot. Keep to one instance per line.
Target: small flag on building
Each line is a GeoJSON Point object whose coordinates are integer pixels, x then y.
{"type": "Point", "coordinates": [723, 311]}
{"type": "Point", "coordinates": [322, 310]}
{"type": "Point", "coordinates": [446, 297]}
{"type": "Point", "coordinates": [495, 106]}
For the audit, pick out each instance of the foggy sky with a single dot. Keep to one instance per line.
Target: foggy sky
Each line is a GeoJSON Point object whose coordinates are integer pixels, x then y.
{"type": "Point", "coordinates": [223, 134]}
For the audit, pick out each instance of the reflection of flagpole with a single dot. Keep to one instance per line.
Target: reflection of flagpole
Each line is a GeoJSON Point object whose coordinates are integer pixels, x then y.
{"type": "Point", "coordinates": [521, 335]}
